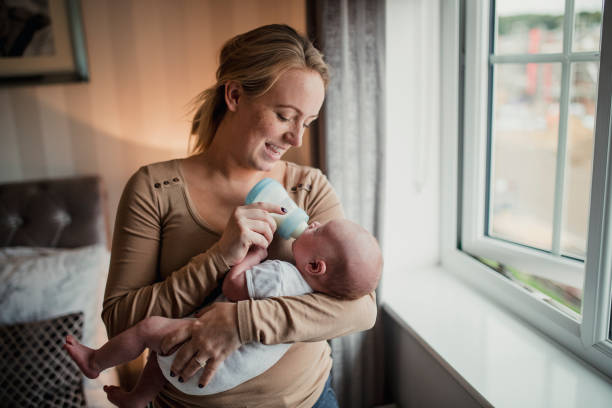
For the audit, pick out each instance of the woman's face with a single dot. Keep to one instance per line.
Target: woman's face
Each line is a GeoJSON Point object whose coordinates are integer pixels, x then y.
{"type": "Point", "coordinates": [271, 124]}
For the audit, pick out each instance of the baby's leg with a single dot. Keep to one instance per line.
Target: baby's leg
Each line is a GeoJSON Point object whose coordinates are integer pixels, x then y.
{"type": "Point", "coordinates": [149, 384]}
{"type": "Point", "coordinates": [124, 347]}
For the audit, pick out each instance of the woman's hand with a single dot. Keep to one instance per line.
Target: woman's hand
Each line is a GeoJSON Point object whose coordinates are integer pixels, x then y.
{"type": "Point", "coordinates": [249, 225]}
{"type": "Point", "coordinates": [207, 342]}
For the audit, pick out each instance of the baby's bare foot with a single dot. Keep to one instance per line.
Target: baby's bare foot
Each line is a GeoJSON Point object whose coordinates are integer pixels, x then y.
{"type": "Point", "coordinates": [83, 356]}
{"type": "Point", "coordinates": [123, 399]}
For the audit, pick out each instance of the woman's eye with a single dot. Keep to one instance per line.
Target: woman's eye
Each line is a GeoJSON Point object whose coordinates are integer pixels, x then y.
{"type": "Point", "coordinates": [282, 118]}
{"type": "Point", "coordinates": [307, 125]}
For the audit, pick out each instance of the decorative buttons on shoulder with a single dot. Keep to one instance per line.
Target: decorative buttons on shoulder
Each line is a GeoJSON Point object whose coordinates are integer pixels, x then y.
{"type": "Point", "coordinates": [301, 186]}
{"type": "Point", "coordinates": [166, 182]}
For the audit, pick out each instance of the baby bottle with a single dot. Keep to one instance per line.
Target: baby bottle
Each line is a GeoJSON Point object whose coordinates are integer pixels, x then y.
{"type": "Point", "coordinates": [291, 224]}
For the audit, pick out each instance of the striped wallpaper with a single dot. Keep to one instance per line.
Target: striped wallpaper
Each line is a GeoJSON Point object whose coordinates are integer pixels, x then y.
{"type": "Point", "coordinates": [147, 59]}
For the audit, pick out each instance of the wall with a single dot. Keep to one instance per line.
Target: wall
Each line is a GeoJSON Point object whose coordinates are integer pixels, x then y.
{"type": "Point", "coordinates": [147, 59]}
{"type": "Point", "coordinates": [411, 238]}
{"type": "Point", "coordinates": [416, 376]}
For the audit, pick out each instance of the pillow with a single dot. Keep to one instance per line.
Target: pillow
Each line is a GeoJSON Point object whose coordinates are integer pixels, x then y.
{"type": "Point", "coordinates": [41, 283]}
{"type": "Point", "coordinates": [35, 371]}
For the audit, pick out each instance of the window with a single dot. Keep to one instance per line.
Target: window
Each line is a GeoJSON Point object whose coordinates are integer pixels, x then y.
{"type": "Point", "coordinates": [534, 164]}
{"type": "Point", "coordinates": [527, 204]}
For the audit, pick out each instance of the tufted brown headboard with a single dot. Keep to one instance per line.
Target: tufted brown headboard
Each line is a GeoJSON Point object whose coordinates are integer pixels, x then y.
{"type": "Point", "coordinates": [62, 213]}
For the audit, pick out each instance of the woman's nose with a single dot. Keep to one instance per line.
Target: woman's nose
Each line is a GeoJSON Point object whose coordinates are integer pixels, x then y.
{"type": "Point", "coordinates": [294, 137]}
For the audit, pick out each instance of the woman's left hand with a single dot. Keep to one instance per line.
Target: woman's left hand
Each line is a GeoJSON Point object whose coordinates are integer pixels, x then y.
{"type": "Point", "coordinates": [207, 342]}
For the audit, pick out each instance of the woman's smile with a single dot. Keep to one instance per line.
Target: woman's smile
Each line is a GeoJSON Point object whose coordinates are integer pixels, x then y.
{"type": "Point", "coordinates": [274, 151]}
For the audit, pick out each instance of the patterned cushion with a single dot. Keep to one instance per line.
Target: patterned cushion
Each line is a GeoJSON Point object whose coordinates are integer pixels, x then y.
{"type": "Point", "coordinates": [41, 283]}
{"type": "Point", "coordinates": [35, 371]}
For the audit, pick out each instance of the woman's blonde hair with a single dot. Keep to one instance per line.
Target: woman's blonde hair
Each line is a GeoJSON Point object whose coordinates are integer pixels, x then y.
{"type": "Point", "coordinates": [255, 59]}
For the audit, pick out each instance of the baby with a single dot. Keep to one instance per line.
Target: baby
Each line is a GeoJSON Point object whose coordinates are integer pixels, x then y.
{"type": "Point", "coordinates": [338, 258]}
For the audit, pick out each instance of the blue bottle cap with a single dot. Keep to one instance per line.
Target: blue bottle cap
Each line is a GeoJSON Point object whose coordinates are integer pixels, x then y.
{"type": "Point", "coordinates": [257, 188]}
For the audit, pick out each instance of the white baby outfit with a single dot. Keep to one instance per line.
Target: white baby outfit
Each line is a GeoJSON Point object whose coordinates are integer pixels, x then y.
{"type": "Point", "coordinates": [268, 279]}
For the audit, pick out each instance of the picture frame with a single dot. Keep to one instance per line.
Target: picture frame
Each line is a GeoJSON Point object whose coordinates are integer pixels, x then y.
{"type": "Point", "coordinates": [42, 41]}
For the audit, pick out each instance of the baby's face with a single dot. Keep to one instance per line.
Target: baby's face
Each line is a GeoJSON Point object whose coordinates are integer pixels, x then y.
{"type": "Point", "coordinates": [318, 239]}
{"type": "Point", "coordinates": [305, 246]}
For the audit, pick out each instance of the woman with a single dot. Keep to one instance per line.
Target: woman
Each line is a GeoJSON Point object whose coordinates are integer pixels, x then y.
{"type": "Point", "coordinates": [182, 223]}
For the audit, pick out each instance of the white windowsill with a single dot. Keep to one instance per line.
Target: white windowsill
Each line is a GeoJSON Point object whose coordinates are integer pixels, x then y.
{"type": "Point", "coordinates": [507, 361]}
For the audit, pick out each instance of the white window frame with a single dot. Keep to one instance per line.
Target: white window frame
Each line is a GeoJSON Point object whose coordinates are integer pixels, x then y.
{"type": "Point", "coordinates": [464, 109]}
{"type": "Point", "coordinates": [549, 265]}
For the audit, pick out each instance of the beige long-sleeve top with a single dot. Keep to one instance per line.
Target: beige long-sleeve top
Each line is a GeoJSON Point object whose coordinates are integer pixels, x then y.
{"type": "Point", "coordinates": [164, 262]}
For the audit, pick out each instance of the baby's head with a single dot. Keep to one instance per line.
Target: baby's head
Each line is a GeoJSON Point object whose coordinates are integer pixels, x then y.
{"type": "Point", "coordinates": [339, 258]}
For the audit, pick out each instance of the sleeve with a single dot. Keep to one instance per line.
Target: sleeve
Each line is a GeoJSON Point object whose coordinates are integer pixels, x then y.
{"type": "Point", "coordinates": [310, 317]}
{"type": "Point", "coordinates": [135, 289]}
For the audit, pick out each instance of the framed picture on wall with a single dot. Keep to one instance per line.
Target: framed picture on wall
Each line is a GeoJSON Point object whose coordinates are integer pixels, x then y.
{"type": "Point", "coordinates": [41, 41]}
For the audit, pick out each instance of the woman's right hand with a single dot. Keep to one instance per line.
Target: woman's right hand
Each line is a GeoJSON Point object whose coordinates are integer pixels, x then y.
{"type": "Point", "coordinates": [203, 343]}
{"type": "Point", "coordinates": [249, 225]}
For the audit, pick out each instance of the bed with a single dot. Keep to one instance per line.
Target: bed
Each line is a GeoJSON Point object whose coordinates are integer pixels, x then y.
{"type": "Point", "coordinates": [53, 265]}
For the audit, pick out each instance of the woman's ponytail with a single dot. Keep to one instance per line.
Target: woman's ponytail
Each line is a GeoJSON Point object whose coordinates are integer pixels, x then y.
{"type": "Point", "coordinates": [211, 107]}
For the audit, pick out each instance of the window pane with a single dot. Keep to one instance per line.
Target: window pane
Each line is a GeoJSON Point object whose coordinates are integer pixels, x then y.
{"type": "Point", "coordinates": [524, 151]}
{"type": "Point", "coordinates": [587, 25]}
{"type": "Point", "coordinates": [529, 27]}
{"type": "Point", "coordinates": [581, 125]}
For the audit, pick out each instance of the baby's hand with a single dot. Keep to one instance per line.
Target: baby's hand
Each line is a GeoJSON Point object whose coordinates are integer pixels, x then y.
{"type": "Point", "coordinates": [254, 257]}
{"type": "Point", "coordinates": [258, 254]}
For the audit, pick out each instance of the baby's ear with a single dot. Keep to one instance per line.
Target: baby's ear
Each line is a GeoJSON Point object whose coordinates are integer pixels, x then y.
{"type": "Point", "coordinates": [316, 267]}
